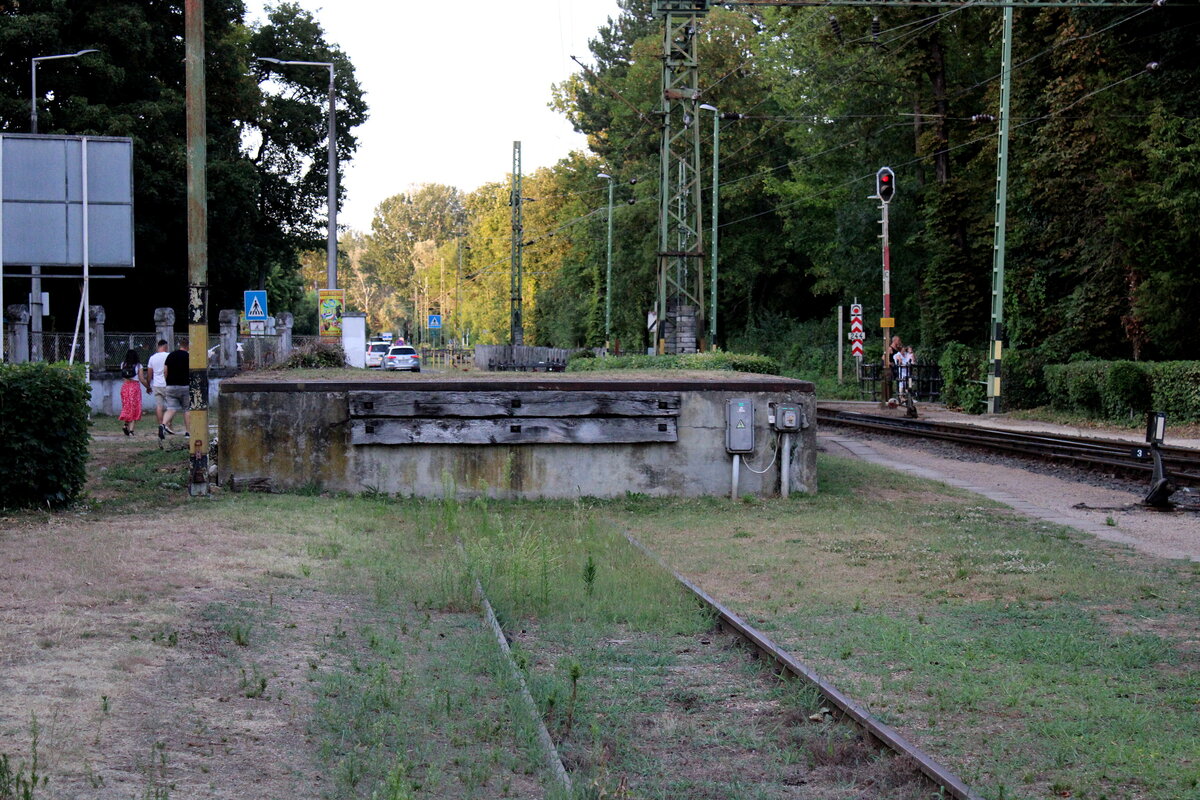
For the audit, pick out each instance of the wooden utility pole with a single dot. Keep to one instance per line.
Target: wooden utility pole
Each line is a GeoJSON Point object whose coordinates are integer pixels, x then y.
{"type": "Point", "coordinates": [197, 248]}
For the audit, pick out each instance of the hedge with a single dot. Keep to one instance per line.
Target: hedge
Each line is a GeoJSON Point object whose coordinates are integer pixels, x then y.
{"type": "Point", "coordinates": [964, 370]}
{"type": "Point", "coordinates": [737, 362]}
{"type": "Point", "coordinates": [1124, 390]}
{"type": "Point", "coordinates": [43, 434]}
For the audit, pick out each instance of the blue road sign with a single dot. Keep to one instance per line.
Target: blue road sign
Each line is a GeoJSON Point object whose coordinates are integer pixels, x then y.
{"type": "Point", "coordinates": [256, 305]}
{"type": "Point", "coordinates": [435, 320]}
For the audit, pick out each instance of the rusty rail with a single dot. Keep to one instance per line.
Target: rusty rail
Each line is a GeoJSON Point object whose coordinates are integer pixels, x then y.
{"type": "Point", "coordinates": [950, 784]}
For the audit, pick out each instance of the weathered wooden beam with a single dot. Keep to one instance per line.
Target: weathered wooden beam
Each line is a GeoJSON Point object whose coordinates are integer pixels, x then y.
{"type": "Point", "coordinates": [526, 430]}
{"type": "Point", "coordinates": [512, 404]}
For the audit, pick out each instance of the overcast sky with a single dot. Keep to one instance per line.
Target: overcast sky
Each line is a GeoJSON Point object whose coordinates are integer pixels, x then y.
{"type": "Point", "coordinates": [451, 85]}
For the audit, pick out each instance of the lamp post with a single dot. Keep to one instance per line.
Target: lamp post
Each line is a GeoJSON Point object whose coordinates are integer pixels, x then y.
{"type": "Point", "coordinates": [331, 239]}
{"type": "Point", "coordinates": [35, 270]}
{"type": "Point", "coordinates": [712, 316]}
{"type": "Point", "coordinates": [608, 267]}
{"type": "Point", "coordinates": [33, 82]}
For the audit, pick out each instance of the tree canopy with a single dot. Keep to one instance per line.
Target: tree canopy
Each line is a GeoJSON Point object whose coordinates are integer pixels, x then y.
{"type": "Point", "coordinates": [266, 128]}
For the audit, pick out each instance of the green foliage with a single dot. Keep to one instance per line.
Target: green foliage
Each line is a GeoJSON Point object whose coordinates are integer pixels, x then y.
{"type": "Point", "coordinates": [318, 355]}
{"type": "Point", "coordinates": [266, 140]}
{"type": "Point", "coordinates": [1121, 390]}
{"type": "Point", "coordinates": [964, 370]}
{"type": "Point", "coordinates": [43, 434]}
{"type": "Point", "coordinates": [737, 362]}
{"type": "Point", "coordinates": [1126, 390]}
{"type": "Point", "coordinates": [1024, 383]}
{"type": "Point", "coordinates": [1175, 389]}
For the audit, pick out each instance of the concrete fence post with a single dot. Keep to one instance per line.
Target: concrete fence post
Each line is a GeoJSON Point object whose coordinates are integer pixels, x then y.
{"type": "Point", "coordinates": [164, 327]}
{"type": "Point", "coordinates": [96, 317]}
{"type": "Point", "coordinates": [284, 321]}
{"type": "Point", "coordinates": [17, 318]}
{"type": "Point", "coordinates": [228, 320]}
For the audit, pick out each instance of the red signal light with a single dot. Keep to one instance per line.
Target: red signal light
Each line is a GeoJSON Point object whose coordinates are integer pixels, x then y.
{"type": "Point", "coordinates": [885, 186]}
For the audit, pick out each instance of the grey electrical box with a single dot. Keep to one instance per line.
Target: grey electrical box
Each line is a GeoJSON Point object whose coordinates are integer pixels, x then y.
{"type": "Point", "coordinates": [739, 426]}
{"type": "Point", "coordinates": [786, 417]}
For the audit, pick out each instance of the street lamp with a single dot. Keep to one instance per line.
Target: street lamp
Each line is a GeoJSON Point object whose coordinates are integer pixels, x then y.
{"type": "Point", "coordinates": [33, 82]}
{"type": "Point", "coordinates": [608, 268]}
{"type": "Point", "coordinates": [35, 270]}
{"type": "Point", "coordinates": [712, 316]}
{"type": "Point", "coordinates": [331, 239]}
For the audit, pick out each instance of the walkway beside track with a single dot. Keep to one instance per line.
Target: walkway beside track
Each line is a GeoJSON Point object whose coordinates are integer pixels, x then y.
{"type": "Point", "coordinates": [864, 451]}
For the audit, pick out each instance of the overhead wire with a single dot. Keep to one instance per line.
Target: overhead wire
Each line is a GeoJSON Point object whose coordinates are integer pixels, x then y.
{"type": "Point", "coordinates": [919, 159]}
{"type": "Point", "coordinates": [993, 78]}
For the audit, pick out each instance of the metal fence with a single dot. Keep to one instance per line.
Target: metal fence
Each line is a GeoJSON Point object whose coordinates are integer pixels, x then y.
{"type": "Point", "coordinates": [446, 357]}
{"type": "Point", "coordinates": [520, 358]}
{"type": "Point", "coordinates": [926, 382]}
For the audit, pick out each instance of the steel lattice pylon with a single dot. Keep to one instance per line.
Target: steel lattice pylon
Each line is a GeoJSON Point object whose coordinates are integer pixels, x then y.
{"type": "Point", "coordinates": [516, 329]}
{"type": "Point", "coordinates": [680, 304]}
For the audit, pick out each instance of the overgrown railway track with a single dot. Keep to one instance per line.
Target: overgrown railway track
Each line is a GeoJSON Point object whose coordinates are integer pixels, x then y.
{"type": "Point", "coordinates": [946, 782]}
{"type": "Point", "coordinates": [1181, 464]}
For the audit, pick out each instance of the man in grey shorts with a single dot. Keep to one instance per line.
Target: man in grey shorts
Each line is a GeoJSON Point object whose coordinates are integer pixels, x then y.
{"type": "Point", "coordinates": [175, 371]}
{"type": "Point", "coordinates": [154, 378]}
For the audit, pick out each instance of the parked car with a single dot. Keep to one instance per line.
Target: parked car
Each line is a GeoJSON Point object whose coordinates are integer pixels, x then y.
{"type": "Point", "coordinates": [402, 356]}
{"type": "Point", "coordinates": [375, 353]}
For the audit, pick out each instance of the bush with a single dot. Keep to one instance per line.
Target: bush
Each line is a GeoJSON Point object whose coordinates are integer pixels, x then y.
{"type": "Point", "coordinates": [1024, 383]}
{"type": "Point", "coordinates": [43, 434]}
{"type": "Point", "coordinates": [1126, 390]}
{"type": "Point", "coordinates": [1120, 390]}
{"type": "Point", "coordinates": [963, 371]}
{"type": "Point", "coordinates": [315, 356]}
{"type": "Point", "coordinates": [737, 362]}
{"type": "Point", "coordinates": [1175, 389]}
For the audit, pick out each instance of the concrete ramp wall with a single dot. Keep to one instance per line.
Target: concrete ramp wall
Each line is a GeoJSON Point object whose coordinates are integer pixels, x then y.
{"type": "Point", "coordinates": [532, 436]}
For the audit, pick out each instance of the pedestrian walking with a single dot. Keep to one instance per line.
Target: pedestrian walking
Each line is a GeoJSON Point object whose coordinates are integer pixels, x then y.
{"type": "Point", "coordinates": [175, 373]}
{"type": "Point", "coordinates": [154, 378]}
{"type": "Point", "coordinates": [131, 392]}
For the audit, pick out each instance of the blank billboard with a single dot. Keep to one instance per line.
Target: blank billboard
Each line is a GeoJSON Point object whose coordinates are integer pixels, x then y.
{"type": "Point", "coordinates": [41, 183]}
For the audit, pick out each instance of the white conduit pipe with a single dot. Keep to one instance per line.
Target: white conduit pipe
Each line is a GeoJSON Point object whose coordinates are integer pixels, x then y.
{"type": "Point", "coordinates": [785, 476]}
{"type": "Point", "coordinates": [737, 460]}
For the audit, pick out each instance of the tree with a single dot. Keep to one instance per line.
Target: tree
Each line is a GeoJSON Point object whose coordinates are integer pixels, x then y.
{"type": "Point", "coordinates": [428, 213]}
{"type": "Point", "coordinates": [266, 200]}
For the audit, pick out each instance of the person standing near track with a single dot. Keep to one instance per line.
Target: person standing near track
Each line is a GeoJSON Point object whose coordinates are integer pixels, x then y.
{"type": "Point", "coordinates": [175, 372]}
{"type": "Point", "coordinates": [890, 353]}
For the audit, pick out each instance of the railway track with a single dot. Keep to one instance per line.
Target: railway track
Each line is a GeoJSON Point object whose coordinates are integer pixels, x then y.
{"type": "Point", "coordinates": [1181, 464]}
{"type": "Point", "coordinates": [943, 782]}
{"type": "Point", "coordinates": [946, 782]}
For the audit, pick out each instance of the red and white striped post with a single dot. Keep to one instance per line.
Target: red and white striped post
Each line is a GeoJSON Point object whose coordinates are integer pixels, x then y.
{"type": "Point", "coordinates": [885, 187]}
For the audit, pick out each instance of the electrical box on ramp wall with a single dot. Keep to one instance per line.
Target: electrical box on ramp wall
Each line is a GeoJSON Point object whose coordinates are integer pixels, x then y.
{"type": "Point", "coordinates": [786, 418]}
{"type": "Point", "coordinates": [739, 426]}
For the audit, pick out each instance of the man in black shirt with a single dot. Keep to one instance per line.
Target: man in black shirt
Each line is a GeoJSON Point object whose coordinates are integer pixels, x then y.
{"type": "Point", "coordinates": [175, 370]}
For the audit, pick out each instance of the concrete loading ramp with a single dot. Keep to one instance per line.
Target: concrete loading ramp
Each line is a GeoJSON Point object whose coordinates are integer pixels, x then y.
{"type": "Point", "coordinates": [529, 436]}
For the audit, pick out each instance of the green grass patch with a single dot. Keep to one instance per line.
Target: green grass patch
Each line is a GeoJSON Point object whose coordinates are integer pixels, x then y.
{"type": "Point", "coordinates": [1027, 657]}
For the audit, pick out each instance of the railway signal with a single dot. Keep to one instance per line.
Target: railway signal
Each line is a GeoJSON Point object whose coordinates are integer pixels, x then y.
{"type": "Point", "coordinates": [885, 184]}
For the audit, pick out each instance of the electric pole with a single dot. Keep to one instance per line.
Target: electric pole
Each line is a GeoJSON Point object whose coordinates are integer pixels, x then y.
{"type": "Point", "coordinates": [516, 331]}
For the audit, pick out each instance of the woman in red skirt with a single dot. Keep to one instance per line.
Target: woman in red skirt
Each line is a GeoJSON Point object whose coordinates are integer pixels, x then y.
{"type": "Point", "coordinates": [131, 391]}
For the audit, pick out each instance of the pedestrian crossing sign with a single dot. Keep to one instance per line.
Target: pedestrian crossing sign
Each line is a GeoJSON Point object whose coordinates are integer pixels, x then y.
{"type": "Point", "coordinates": [256, 305]}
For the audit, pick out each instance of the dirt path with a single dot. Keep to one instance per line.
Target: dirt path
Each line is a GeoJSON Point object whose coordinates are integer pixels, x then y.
{"type": "Point", "coordinates": [150, 655]}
